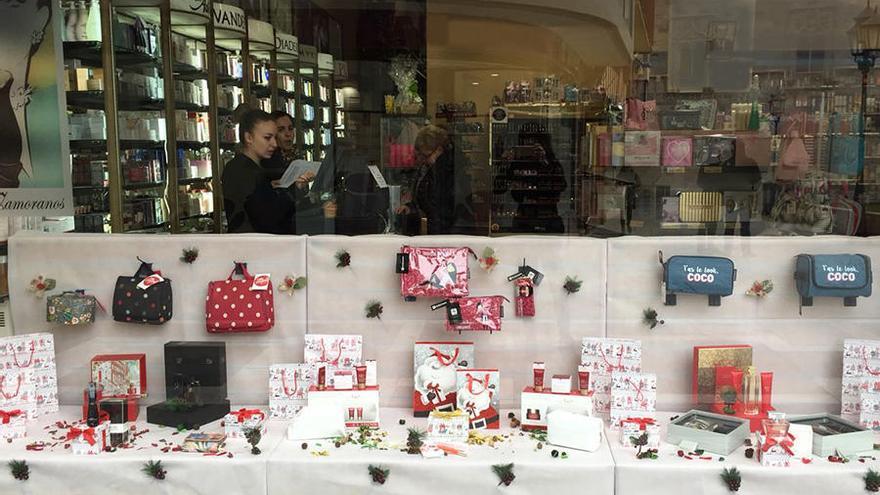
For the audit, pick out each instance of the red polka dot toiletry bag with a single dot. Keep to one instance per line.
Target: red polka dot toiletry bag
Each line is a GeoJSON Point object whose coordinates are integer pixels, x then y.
{"type": "Point", "coordinates": [241, 303]}
{"type": "Point", "coordinates": [144, 298]}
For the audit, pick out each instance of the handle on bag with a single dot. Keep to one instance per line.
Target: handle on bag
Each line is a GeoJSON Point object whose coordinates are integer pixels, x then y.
{"type": "Point", "coordinates": [240, 269]}
{"type": "Point", "coordinates": [145, 270]}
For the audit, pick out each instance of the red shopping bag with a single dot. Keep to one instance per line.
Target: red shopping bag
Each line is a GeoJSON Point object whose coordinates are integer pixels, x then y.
{"type": "Point", "coordinates": [241, 304]}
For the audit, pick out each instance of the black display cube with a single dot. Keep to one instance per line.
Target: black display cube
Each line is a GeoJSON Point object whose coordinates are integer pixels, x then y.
{"type": "Point", "coordinates": [195, 385]}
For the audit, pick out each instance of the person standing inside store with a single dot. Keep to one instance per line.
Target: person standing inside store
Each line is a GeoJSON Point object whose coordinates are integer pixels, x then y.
{"type": "Point", "coordinates": [251, 202]}
{"type": "Point", "coordinates": [286, 151]}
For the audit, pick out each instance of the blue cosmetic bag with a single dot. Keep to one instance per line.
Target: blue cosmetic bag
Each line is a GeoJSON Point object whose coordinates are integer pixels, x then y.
{"type": "Point", "coordinates": [833, 275]}
{"type": "Point", "coordinates": [706, 275]}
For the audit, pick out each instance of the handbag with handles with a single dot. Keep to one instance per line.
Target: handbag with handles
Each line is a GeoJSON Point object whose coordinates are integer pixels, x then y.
{"type": "Point", "coordinates": [144, 298]}
{"type": "Point", "coordinates": [243, 304]}
{"type": "Point", "coordinates": [71, 308]}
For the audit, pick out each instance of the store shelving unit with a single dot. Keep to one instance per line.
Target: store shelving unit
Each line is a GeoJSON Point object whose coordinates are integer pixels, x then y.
{"type": "Point", "coordinates": [284, 77]}
{"type": "Point", "coordinates": [309, 123]}
{"type": "Point", "coordinates": [261, 52]}
{"type": "Point", "coordinates": [326, 108]}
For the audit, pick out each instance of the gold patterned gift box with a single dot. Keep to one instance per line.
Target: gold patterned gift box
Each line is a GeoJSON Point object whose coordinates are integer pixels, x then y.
{"type": "Point", "coordinates": [706, 358]}
{"type": "Point", "coordinates": [700, 206]}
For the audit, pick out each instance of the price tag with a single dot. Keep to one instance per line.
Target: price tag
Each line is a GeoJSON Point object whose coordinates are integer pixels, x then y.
{"type": "Point", "coordinates": [712, 170]}
{"type": "Point", "coordinates": [675, 170]}
{"type": "Point", "coordinates": [150, 281]}
{"type": "Point", "coordinates": [261, 282]}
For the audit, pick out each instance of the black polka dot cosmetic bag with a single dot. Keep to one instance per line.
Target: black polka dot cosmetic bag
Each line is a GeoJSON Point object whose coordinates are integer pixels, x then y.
{"type": "Point", "coordinates": [143, 298]}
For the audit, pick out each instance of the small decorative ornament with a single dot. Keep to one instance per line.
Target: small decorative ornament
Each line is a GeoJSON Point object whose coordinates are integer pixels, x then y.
{"type": "Point", "coordinates": [872, 480]}
{"type": "Point", "coordinates": [190, 255]}
{"type": "Point", "coordinates": [642, 441]}
{"type": "Point", "coordinates": [504, 473]}
{"type": "Point", "coordinates": [292, 283]}
{"type": "Point", "coordinates": [378, 475]}
{"type": "Point", "coordinates": [374, 309]}
{"type": "Point", "coordinates": [650, 318]}
{"type": "Point", "coordinates": [414, 440]}
{"type": "Point", "coordinates": [488, 260]}
{"type": "Point", "coordinates": [760, 288]}
{"type": "Point", "coordinates": [22, 472]}
{"type": "Point", "coordinates": [572, 285]}
{"type": "Point", "coordinates": [733, 478]}
{"type": "Point", "coordinates": [154, 469]}
{"type": "Point", "coordinates": [343, 258]}
{"type": "Point", "coordinates": [253, 436]}
{"type": "Point", "coordinates": [40, 285]}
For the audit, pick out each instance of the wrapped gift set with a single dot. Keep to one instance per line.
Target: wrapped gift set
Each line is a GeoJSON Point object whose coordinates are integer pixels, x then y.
{"type": "Point", "coordinates": [711, 432]}
{"type": "Point", "coordinates": [28, 378]}
{"type": "Point", "coordinates": [236, 423]}
{"type": "Point", "coordinates": [706, 360]}
{"type": "Point", "coordinates": [334, 351]}
{"type": "Point", "coordinates": [88, 440]}
{"type": "Point", "coordinates": [433, 271]}
{"type": "Point", "coordinates": [120, 375]}
{"type": "Point", "coordinates": [13, 424]}
{"type": "Point", "coordinates": [833, 435]}
{"type": "Point", "coordinates": [772, 453]}
{"type": "Point", "coordinates": [635, 427]}
{"type": "Point", "coordinates": [448, 426]}
{"type": "Point", "coordinates": [288, 388]}
{"type": "Point", "coordinates": [861, 373]}
{"type": "Point", "coordinates": [600, 357]}
{"type": "Point", "coordinates": [360, 407]}
{"type": "Point", "coordinates": [477, 395]}
{"type": "Point", "coordinates": [209, 443]}
{"type": "Point", "coordinates": [536, 406]}
{"type": "Point", "coordinates": [434, 374]}
{"type": "Point", "coordinates": [633, 395]}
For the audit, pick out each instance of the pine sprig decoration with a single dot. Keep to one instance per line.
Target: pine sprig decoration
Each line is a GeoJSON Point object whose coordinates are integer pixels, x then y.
{"type": "Point", "coordinates": [414, 440]}
{"type": "Point", "coordinates": [190, 255]}
{"type": "Point", "coordinates": [733, 478]}
{"type": "Point", "coordinates": [374, 309]}
{"type": "Point", "coordinates": [20, 470]}
{"type": "Point", "coordinates": [378, 474]}
{"type": "Point", "coordinates": [154, 469]}
{"type": "Point", "coordinates": [642, 441]}
{"type": "Point", "coordinates": [651, 318]}
{"type": "Point", "coordinates": [572, 285]}
{"type": "Point", "coordinates": [253, 436]}
{"type": "Point", "coordinates": [872, 480]}
{"type": "Point", "coordinates": [504, 473]}
{"type": "Point", "coordinates": [343, 258]}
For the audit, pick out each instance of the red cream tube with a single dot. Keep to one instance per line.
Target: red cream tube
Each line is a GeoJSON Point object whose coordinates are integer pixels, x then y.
{"type": "Point", "coordinates": [361, 376]}
{"type": "Point", "coordinates": [538, 370]}
{"type": "Point", "coordinates": [322, 377]}
{"type": "Point", "coordinates": [766, 390]}
{"type": "Point", "coordinates": [583, 379]}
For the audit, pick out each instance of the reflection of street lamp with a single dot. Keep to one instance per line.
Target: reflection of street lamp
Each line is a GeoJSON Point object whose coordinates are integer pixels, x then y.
{"type": "Point", "coordinates": [865, 45]}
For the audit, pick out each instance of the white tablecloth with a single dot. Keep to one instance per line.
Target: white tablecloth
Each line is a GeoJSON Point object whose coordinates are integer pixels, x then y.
{"type": "Point", "coordinates": [673, 474]}
{"type": "Point", "coordinates": [344, 470]}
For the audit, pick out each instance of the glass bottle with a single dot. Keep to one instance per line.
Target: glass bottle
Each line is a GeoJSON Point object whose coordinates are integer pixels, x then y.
{"type": "Point", "coordinates": [751, 392]}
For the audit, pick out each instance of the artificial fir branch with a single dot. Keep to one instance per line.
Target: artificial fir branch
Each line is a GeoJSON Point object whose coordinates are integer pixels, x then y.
{"type": "Point", "coordinates": [504, 473]}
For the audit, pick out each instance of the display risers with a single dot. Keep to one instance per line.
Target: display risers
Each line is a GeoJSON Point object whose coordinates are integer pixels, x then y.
{"type": "Point", "coordinates": [160, 414]}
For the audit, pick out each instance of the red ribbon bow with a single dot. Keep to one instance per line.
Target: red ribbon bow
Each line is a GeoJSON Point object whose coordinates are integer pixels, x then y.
{"type": "Point", "coordinates": [243, 414]}
{"type": "Point", "coordinates": [642, 422]}
{"type": "Point", "coordinates": [88, 435]}
{"type": "Point", "coordinates": [7, 415]}
{"type": "Point", "coordinates": [785, 443]}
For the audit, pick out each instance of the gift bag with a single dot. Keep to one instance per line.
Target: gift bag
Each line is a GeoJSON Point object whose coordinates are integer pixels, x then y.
{"type": "Point", "coordinates": [433, 271]}
{"type": "Point", "coordinates": [477, 395]}
{"type": "Point", "coordinates": [434, 374]}
{"type": "Point", "coordinates": [861, 373]}
{"type": "Point", "coordinates": [28, 378]}
{"type": "Point", "coordinates": [240, 304]}
{"type": "Point", "coordinates": [602, 357]}
{"type": "Point", "coordinates": [143, 298]}
{"type": "Point", "coordinates": [288, 388]}
{"type": "Point", "coordinates": [336, 352]}
{"type": "Point", "coordinates": [482, 313]}
{"type": "Point", "coordinates": [633, 395]}
{"type": "Point", "coordinates": [71, 308]}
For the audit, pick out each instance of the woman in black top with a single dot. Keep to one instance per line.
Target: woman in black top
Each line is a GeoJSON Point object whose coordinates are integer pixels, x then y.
{"type": "Point", "coordinates": [251, 202]}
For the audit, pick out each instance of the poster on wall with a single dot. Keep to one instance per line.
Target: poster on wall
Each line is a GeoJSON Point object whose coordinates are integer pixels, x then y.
{"type": "Point", "coordinates": [34, 159]}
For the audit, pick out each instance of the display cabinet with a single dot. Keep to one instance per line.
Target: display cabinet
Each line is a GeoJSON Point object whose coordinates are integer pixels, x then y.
{"type": "Point", "coordinates": [308, 123]}
{"type": "Point", "coordinates": [283, 79]}
{"type": "Point", "coordinates": [326, 115]}
{"type": "Point", "coordinates": [261, 50]}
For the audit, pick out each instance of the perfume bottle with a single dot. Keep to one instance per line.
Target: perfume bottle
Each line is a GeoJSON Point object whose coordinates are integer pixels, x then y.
{"type": "Point", "coordinates": [751, 392]}
{"type": "Point", "coordinates": [92, 418]}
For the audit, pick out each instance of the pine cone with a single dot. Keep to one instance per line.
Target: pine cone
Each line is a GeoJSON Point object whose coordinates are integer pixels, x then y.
{"type": "Point", "coordinates": [508, 479]}
{"type": "Point", "coordinates": [734, 485]}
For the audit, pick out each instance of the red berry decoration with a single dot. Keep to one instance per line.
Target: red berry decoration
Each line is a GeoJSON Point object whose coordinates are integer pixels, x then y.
{"type": "Point", "coordinates": [377, 474]}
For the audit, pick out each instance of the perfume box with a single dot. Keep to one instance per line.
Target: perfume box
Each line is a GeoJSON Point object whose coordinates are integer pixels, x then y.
{"type": "Point", "coordinates": [706, 359]}
{"type": "Point", "coordinates": [360, 407]}
{"type": "Point", "coordinates": [711, 432]}
{"type": "Point", "coordinates": [834, 434]}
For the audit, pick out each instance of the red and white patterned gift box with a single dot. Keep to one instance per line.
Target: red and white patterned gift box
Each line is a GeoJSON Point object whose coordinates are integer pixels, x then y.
{"type": "Point", "coordinates": [237, 422]}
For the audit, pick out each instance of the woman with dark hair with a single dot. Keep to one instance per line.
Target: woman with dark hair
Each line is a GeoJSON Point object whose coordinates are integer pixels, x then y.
{"type": "Point", "coordinates": [250, 201]}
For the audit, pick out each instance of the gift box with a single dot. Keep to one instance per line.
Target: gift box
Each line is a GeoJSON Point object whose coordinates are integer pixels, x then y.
{"type": "Point", "coordinates": [360, 407]}
{"type": "Point", "coordinates": [633, 395]}
{"type": "Point", "coordinates": [678, 151]}
{"type": "Point", "coordinates": [833, 435]}
{"type": "Point", "coordinates": [88, 440]}
{"type": "Point", "coordinates": [120, 375]}
{"type": "Point", "coordinates": [642, 148]}
{"type": "Point", "coordinates": [574, 431]}
{"type": "Point", "coordinates": [312, 422]}
{"type": "Point", "coordinates": [131, 404]}
{"type": "Point", "coordinates": [237, 422]}
{"type": "Point", "coordinates": [869, 414]}
{"type": "Point", "coordinates": [13, 423]}
{"type": "Point", "coordinates": [477, 395]}
{"type": "Point", "coordinates": [773, 452]}
{"type": "Point", "coordinates": [706, 359]}
{"type": "Point", "coordinates": [802, 436]}
{"type": "Point", "coordinates": [603, 356]}
{"type": "Point", "coordinates": [635, 427]}
{"type": "Point", "coordinates": [560, 384]}
{"type": "Point", "coordinates": [535, 406]}
{"type": "Point", "coordinates": [713, 433]}
{"type": "Point", "coordinates": [288, 386]}
{"type": "Point", "coordinates": [204, 442]}
{"type": "Point", "coordinates": [434, 372]}
{"type": "Point", "coordinates": [861, 373]}
{"type": "Point", "coordinates": [27, 368]}
{"type": "Point", "coordinates": [335, 351]}
{"type": "Point", "coordinates": [448, 426]}
{"type": "Point", "coordinates": [118, 411]}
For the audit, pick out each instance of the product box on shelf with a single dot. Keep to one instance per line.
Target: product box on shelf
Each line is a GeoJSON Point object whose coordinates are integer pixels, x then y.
{"type": "Point", "coordinates": [719, 151]}
{"type": "Point", "coordinates": [642, 148]}
{"type": "Point", "coordinates": [478, 390]}
{"type": "Point", "coordinates": [448, 426]}
{"type": "Point", "coordinates": [335, 351]}
{"type": "Point", "coordinates": [535, 406]}
{"type": "Point", "coordinates": [13, 424]}
{"type": "Point", "coordinates": [195, 385]}
{"type": "Point", "coordinates": [204, 442]}
{"type": "Point", "coordinates": [833, 435]}
{"type": "Point", "coordinates": [773, 453]}
{"type": "Point", "coordinates": [601, 357]}
{"type": "Point", "coordinates": [434, 372]}
{"type": "Point", "coordinates": [861, 373]}
{"type": "Point", "coordinates": [678, 151]}
{"type": "Point", "coordinates": [237, 422]}
{"type": "Point", "coordinates": [288, 388]}
{"type": "Point", "coordinates": [120, 375]}
{"type": "Point", "coordinates": [360, 407]}
{"type": "Point", "coordinates": [633, 395]}
{"type": "Point", "coordinates": [706, 359]}
{"type": "Point", "coordinates": [635, 427]}
{"type": "Point", "coordinates": [85, 440]}
{"type": "Point", "coordinates": [711, 432]}
{"type": "Point", "coordinates": [575, 431]}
